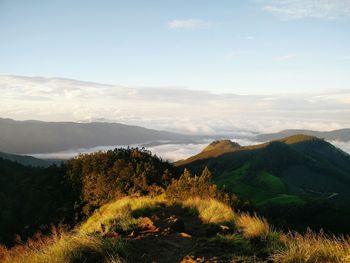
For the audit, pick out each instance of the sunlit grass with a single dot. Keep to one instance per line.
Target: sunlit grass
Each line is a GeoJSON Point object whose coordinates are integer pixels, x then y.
{"type": "Point", "coordinates": [65, 248]}
{"type": "Point", "coordinates": [314, 248]}
{"type": "Point", "coordinates": [118, 214]}
{"type": "Point", "coordinates": [210, 210]}
{"type": "Point", "coordinates": [252, 236]}
{"type": "Point", "coordinates": [252, 226]}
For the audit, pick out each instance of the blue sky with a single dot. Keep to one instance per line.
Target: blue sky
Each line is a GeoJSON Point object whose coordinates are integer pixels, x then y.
{"type": "Point", "coordinates": [243, 47]}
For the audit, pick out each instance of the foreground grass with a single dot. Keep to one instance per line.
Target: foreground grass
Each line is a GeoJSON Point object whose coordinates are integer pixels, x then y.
{"type": "Point", "coordinates": [65, 248]}
{"type": "Point", "coordinates": [252, 237]}
{"type": "Point", "coordinates": [313, 248]}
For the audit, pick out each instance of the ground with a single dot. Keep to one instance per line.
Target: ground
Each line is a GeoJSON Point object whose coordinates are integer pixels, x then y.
{"type": "Point", "coordinates": [175, 234]}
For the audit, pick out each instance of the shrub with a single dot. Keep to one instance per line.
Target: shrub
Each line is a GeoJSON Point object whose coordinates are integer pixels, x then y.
{"type": "Point", "coordinates": [188, 186]}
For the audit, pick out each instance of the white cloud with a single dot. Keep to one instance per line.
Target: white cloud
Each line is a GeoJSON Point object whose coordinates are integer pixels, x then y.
{"type": "Point", "coordinates": [299, 9]}
{"type": "Point", "coordinates": [173, 109]}
{"type": "Point", "coordinates": [285, 57]}
{"type": "Point", "coordinates": [188, 24]}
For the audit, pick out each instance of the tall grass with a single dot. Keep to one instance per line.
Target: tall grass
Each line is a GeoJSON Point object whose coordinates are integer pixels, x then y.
{"type": "Point", "coordinates": [252, 226]}
{"type": "Point", "coordinates": [65, 248]}
{"type": "Point", "coordinates": [210, 210]}
{"type": "Point", "coordinates": [314, 248]}
{"type": "Point", "coordinates": [118, 214]}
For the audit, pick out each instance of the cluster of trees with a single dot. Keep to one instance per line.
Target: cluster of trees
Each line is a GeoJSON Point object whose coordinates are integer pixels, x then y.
{"type": "Point", "coordinates": [30, 198]}
{"type": "Point", "coordinates": [102, 176]}
{"type": "Point", "coordinates": [189, 185]}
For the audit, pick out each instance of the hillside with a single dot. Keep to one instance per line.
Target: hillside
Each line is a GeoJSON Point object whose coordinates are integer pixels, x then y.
{"type": "Point", "coordinates": [23, 137]}
{"type": "Point", "coordinates": [341, 135]}
{"type": "Point", "coordinates": [298, 173]}
{"type": "Point", "coordinates": [29, 160]}
{"type": "Point", "coordinates": [128, 205]}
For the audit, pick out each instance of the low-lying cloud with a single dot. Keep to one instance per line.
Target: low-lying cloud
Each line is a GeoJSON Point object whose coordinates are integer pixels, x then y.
{"type": "Point", "coordinates": [173, 109]}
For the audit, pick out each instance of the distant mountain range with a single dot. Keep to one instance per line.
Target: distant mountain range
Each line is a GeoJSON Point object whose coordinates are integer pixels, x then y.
{"type": "Point", "coordinates": [341, 135]}
{"type": "Point", "coordinates": [290, 177]}
{"type": "Point", "coordinates": [29, 160]}
{"type": "Point", "coordinates": [24, 137]}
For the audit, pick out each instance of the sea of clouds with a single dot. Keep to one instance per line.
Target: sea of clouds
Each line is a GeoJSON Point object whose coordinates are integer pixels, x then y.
{"type": "Point", "coordinates": [173, 108]}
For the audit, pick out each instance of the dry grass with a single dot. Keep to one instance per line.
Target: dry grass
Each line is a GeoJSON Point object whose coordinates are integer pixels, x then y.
{"type": "Point", "coordinates": [118, 214]}
{"type": "Point", "coordinates": [65, 248]}
{"type": "Point", "coordinates": [210, 210]}
{"type": "Point", "coordinates": [314, 248]}
{"type": "Point", "coordinates": [252, 226]}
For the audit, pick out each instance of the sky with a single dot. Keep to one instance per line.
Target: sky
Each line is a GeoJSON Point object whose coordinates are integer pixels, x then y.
{"type": "Point", "coordinates": [243, 47]}
{"type": "Point", "coordinates": [192, 66]}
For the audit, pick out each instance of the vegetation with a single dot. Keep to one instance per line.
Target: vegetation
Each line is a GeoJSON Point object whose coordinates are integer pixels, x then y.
{"type": "Point", "coordinates": [245, 237]}
{"type": "Point", "coordinates": [128, 205]}
{"type": "Point", "coordinates": [31, 198]}
{"type": "Point", "coordinates": [313, 247]}
{"type": "Point", "coordinates": [65, 248]}
{"type": "Point", "coordinates": [289, 181]}
{"type": "Point", "coordinates": [103, 176]}
{"type": "Point", "coordinates": [210, 210]}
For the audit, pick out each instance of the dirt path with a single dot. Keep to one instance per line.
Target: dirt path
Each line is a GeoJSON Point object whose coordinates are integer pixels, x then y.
{"type": "Point", "coordinates": [174, 234]}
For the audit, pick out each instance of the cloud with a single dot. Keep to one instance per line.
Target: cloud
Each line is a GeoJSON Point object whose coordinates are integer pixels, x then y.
{"type": "Point", "coordinates": [172, 109]}
{"type": "Point", "coordinates": [299, 9]}
{"type": "Point", "coordinates": [188, 24]}
{"type": "Point", "coordinates": [285, 57]}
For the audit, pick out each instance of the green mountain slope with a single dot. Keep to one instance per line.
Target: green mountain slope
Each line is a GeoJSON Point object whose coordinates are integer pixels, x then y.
{"type": "Point", "coordinates": [291, 173]}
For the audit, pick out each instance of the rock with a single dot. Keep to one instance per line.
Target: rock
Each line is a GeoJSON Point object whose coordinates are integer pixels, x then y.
{"type": "Point", "coordinates": [145, 223]}
{"type": "Point", "coordinates": [185, 235]}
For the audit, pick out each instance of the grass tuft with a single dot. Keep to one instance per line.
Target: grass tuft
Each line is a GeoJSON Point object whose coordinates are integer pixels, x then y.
{"type": "Point", "coordinates": [253, 227]}
{"type": "Point", "coordinates": [210, 210]}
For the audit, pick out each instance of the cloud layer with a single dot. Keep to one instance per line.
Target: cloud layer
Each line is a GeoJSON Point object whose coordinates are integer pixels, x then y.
{"type": "Point", "coordinates": [174, 109]}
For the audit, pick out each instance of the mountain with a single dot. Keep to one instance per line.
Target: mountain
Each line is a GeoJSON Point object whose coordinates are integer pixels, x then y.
{"type": "Point", "coordinates": [23, 137]}
{"type": "Point", "coordinates": [29, 160]}
{"type": "Point", "coordinates": [341, 135]}
{"type": "Point", "coordinates": [297, 172]}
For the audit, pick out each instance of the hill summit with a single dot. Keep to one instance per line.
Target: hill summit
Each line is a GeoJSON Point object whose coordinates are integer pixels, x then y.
{"type": "Point", "coordinates": [221, 146]}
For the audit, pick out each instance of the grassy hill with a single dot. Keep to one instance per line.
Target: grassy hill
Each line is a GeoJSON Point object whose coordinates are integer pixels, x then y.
{"type": "Point", "coordinates": [289, 174]}
{"type": "Point", "coordinates": [156, 229]}
{"type": "Point", "coordinates": [342, 135]}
